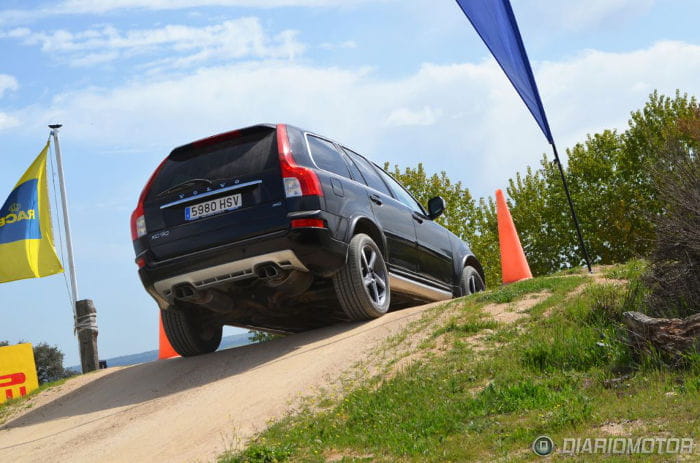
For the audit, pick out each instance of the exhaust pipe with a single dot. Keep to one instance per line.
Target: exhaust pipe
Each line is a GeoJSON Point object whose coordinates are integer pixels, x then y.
{"type": "Point", "coordinates": [185, 292]}
{"type": "Point", "coordinates": [268, 271]}
{"type": "Point", "coordinates": [209, 298]}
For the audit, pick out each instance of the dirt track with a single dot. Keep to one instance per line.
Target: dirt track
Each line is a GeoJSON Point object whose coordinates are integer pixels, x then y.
{"type": "Point", "coordinates": [187, 409]}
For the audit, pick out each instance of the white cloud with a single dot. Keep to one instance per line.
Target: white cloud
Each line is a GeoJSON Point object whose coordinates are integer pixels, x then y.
{"type": "Point", "coordinates": [463, 118]}
{"type": "Point", "coordinates": [347, 44]}
{"type": "Point", "coordinates": [584, 14]}
{"type": "Point", "coordinates": [91, 6]}
{"type": "Point", "coordinates": [75, 7]}
{"type": "Point", "coordinates": [234, 39]}
{"type": "Point", "coordinates": [592, 82]}
{"type": "Point", "coordinates": [7, 122]}
{"type": "Point", "coordinates": [403, 117]}
{"type": "Point", "coordinates": [7, 83]}
{"type": "Point", "coordinates": [17, 33]}
{"type": "Point", "coordinates": [93, 59]}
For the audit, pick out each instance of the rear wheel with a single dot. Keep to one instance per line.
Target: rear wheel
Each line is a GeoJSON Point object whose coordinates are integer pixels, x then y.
{"type": "Point", "coordinates": [471, 281]}
{"type": "Point", "coordinates": [188, 333]}
{"type": "Point", "coordinates": [362, 285]}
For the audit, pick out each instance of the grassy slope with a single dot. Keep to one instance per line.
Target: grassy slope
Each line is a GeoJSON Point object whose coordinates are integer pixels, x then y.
{"type": "Point", "coordinates": [544, 374]}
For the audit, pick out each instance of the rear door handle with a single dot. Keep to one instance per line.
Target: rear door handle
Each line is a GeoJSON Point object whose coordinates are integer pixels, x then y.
{"type": "Point", "coordinates": [417, 218]}
{"type": "Point", "coordinates": [376, 199]}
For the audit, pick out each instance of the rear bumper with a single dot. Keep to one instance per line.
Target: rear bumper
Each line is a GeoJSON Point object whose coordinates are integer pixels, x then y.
{"type": "Point", "coordinates": [312, 249]}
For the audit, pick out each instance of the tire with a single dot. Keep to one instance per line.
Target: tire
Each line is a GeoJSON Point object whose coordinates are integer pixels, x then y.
{"type": "Point", "coordinates": [471, 281]}
{"type": "Point", "coordinates": [187, 334]}
{"type": "Point", "coordinates": [362, 285]}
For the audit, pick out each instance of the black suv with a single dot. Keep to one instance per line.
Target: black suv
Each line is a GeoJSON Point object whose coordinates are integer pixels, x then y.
{"type": "Point", "coordinates": [278, 229]}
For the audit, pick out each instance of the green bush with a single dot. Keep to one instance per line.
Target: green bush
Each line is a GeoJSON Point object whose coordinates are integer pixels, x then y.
{"type": "Point", "coordinates": [259, 453]}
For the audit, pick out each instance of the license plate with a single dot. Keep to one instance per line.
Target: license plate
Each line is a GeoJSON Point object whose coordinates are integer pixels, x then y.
{"type": "Point", "coordinates": [213, 206]}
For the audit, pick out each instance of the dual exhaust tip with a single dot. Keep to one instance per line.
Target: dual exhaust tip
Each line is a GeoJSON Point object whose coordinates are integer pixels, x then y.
{"type": "Point", "coordinates": [213, 300]}
{"type": "Point", "coordinates": [267, 271]}
{"type": "Point", "coordinates": [187, 292]}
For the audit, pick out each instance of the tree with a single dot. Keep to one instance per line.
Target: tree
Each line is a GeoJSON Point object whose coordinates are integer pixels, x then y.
{"type": "Point", "coordinates": [612, 182]}
{"type": "Point", "coordinates": [595, 187]}
{"type": "Point", "coordinates": [255, 336]}
{"type": "Point", "coordinates": [651, 129]}
{"type": "Point", "coordinates": [674, 270]}
{"type": "Point", "coordinates": [49, 363]}
{"type": "Point", "coordinates": [611, 179]}
{"type": "Point", "coordinates": [484, 244]}
{"type": "Point", "coordinates": [534, 206]}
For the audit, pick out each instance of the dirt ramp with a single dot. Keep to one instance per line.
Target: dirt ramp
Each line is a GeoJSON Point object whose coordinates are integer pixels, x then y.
{"type": "Point", "coordinates": [188, 409]}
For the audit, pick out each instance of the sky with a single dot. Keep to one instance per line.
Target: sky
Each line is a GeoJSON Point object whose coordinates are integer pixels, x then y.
{"type": "Point", "coordinates": [399, 81]}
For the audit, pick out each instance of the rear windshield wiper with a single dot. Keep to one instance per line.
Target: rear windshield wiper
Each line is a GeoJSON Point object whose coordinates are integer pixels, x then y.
{"type": "Point", "coordinates": [185, 185]}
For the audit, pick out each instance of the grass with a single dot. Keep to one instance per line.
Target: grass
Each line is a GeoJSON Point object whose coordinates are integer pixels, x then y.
{"type": "Point", "coordinates": [628, 271]}
{"type": "Point", "coordinates": [467, 327]}
{"type": "Point", "coordinates": [568, 373]}
{"type": "Point", "coordinates": [512, 292]}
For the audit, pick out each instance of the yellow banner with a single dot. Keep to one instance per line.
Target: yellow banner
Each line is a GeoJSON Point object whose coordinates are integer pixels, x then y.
{"type": "Point", "coordinates": [26, 239]}
{"type": "Point", "coordinates": [17, 371]}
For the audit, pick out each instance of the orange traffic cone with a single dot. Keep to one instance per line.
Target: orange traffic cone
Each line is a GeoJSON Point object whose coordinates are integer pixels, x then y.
{"type": "Point", "coordinates": [165, 350]}
{"type": "Point", "coordinates": [514, 265]}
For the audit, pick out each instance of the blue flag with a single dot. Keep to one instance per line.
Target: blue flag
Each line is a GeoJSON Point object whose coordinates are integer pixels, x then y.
{"type": "Point", "coordinates": [495, 22]}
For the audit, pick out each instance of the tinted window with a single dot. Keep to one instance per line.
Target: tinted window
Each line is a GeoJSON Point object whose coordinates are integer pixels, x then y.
{"type": "Point", "coordinates": [401, 194]}
{"type": "Point", "coordinates": [326, 156]}
{"type": "Point", "coordinates": [354, 171]}
{"type": "Point", "coordinates": [237, 157]}
{"type": "Point", "coordinates": [369, 172]}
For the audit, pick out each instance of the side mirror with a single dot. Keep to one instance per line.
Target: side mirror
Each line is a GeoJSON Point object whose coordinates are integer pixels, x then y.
{"type": "Point", "coordinates": [436, 206]}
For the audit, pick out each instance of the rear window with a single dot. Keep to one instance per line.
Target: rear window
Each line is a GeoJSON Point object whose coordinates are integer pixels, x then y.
{"type": "Point", "coordinates": [239, 157]}
{"type": "Point", "coordinates": [327, 157]}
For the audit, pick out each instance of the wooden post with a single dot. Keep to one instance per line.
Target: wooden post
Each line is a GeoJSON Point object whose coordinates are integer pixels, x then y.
{"type": "Point", "coordinates": [86, 325]}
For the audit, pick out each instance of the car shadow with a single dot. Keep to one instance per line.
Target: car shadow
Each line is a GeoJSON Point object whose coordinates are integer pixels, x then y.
{"type": "Point", "coordinates": [141, 383]}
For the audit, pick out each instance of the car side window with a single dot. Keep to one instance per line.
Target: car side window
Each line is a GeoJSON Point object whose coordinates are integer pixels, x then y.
{"type": "Point", "coordinates": [354, 171]}
{"type": "Point", "coordinates": [326, 156]}
{"type": "Point", "coordinates": [369, 172]}
{"type": "Point", "coordinates": [400, 193]}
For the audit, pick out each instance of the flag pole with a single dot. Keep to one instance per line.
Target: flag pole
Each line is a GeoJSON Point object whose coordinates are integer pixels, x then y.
{"type": "Point", "coordinates": [84, 312]}
{"type": "Point", "coordinates": [571, 206]}
{"type": "Point", "coordinates": [66, 222]}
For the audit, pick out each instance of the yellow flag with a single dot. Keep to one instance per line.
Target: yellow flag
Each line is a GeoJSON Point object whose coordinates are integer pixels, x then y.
{"type": "Point", "coordinates": [26, 240]}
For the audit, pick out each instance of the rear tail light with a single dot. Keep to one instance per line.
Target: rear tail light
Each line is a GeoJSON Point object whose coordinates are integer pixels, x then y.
{"type": "Point", "coordinates": [298, 180]}
{"type": "Point", "coordinates": [140, 226]}
{"type": "Point", "coordinates": [138, 221]}
{"type": "Point", "coordinates": [308, 223]}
